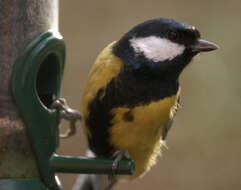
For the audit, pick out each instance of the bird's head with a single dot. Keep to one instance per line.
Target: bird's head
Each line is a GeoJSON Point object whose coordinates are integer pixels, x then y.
{"type": "Point", "coordinates": [160, 47]}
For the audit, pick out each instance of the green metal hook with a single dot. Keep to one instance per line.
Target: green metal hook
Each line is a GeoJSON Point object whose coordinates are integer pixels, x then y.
{"type": "Point", "coordinates": [36, 82]}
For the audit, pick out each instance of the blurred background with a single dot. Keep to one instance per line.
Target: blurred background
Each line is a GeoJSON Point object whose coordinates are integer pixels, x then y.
{"type": "Point", "coordinates": [204, 144]}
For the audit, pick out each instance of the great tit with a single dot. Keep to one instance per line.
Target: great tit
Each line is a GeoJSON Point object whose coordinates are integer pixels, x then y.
{"type": "Point", "coordinates": [132, 91]}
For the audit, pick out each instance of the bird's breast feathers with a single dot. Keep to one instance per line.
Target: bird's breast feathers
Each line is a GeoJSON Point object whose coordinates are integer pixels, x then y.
{"type": "Point", "coordinates": [139, 130]}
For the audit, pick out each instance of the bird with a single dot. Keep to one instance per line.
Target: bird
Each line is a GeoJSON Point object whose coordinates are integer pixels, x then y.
{"type": "Point", "coordinates": [132, 92]}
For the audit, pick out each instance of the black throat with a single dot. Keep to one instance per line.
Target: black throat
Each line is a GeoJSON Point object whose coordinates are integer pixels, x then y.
{"type": "Point", "coordinates": [131, 89]}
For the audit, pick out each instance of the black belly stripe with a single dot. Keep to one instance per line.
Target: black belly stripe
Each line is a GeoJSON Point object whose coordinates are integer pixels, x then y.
{"type": "Point", "coordinates": [124, 90]}
{"type": "Point", "coordinates": [128, 116]}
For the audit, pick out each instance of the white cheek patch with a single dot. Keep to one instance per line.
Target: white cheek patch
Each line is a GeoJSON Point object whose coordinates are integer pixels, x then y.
{"type": "Point", "coordinates": [156, 48]}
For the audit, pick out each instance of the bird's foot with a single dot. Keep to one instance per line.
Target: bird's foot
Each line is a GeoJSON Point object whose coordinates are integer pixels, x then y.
{"type": "Point", "coordinates": [68, 114]}
{"type": "Point", "coordinates": [117, 156]}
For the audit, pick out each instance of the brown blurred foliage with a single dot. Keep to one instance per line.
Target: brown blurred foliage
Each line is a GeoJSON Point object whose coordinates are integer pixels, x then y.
{"type": "Point", "coordinates": [204, 142]}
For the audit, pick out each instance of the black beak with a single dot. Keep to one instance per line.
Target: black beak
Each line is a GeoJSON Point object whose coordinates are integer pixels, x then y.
{"type": "Point", "coordinates": [203, 45]}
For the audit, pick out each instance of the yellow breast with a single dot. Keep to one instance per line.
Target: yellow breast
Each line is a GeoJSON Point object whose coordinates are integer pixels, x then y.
{"type": "Point", "coordinates": [142, 135]}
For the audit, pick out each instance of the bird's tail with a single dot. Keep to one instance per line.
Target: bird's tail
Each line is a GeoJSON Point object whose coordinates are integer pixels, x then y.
{"type": "Point", "coordinates": [93, 181]}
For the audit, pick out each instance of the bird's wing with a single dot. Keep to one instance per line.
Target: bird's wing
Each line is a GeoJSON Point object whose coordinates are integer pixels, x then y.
{"type": "Point", "coordinates": [105, 68]}
{"type": "Point", "coordinates": [169, 123]}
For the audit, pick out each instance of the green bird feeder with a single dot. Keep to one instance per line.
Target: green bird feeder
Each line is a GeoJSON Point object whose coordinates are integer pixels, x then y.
{"type": "Point", "coordinates": [36, 82]}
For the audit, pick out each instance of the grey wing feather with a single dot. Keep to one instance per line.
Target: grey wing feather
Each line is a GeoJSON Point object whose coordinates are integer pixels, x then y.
{"type": "Point", "coordinates": [169, 123]}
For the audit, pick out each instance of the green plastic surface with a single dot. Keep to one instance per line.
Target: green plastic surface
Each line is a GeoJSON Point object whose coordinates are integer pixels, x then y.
{"type": "Point", "coordinates": [70, 164]}
{"type": "Point", "coordinates": [36, 80]}
{"type": "Point", "coordinates": [22, 184]}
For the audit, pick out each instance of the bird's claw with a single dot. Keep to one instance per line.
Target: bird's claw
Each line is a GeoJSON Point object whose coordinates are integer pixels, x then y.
{"type": "Point", "coordinates": [67, 113]}
{"type": "Point", "coordinates": [117, 156]}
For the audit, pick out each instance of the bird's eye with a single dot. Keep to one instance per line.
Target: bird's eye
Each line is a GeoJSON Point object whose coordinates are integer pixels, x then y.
{"type": "Point", "coordinates": [172, 35]}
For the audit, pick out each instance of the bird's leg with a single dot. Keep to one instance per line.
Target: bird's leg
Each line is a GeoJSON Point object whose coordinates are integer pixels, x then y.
{"type": "Point", "coordinates": [68, 114]}
{"type": "Point", "coordinates": [117, 156]}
